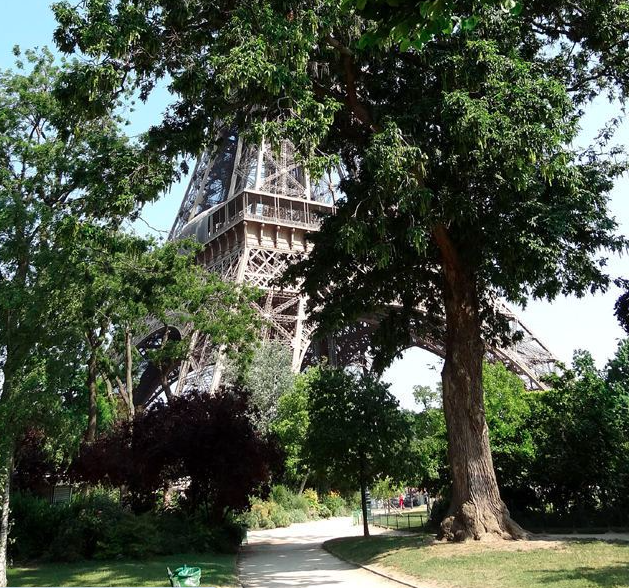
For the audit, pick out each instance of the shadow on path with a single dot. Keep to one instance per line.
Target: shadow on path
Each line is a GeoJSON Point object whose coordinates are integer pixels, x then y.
{"type": "Point", "coordinates": [279, 558]}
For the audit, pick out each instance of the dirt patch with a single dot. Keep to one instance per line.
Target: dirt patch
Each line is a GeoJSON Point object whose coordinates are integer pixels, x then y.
{"type": "Point", "coordinates": [445, 549]}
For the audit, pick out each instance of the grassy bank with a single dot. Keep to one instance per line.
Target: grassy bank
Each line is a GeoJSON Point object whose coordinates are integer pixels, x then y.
{"type": "Point", "coordinates": [531, 564]}
{"type": "Point", "coordinates": [217, 570]}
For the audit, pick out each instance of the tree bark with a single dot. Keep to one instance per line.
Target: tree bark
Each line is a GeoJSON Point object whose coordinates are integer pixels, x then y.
{"type": "Point", "coordinates": [6, 472]}
{"type": "Point", "coordinates": [476, 510]}
{"type": "Point", "coordinates": [303, 483]}
{"type": "Point", "coordinates": [92, 373]}
{"type": "Point", "coordinates": [363, 503]}
{"type": "Point", "coordinates": [129, 372]}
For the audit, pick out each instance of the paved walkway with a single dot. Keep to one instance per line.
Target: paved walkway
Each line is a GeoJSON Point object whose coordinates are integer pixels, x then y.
{"type": "Point", "coordinates": [293, 556]}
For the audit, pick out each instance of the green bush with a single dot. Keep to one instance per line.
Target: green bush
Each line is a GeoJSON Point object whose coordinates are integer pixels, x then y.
{"type": "Point", "coordinates": [289, 500]}
{"type": "Point", "coordinates": [228, 537]}
{"type": "Point", "coordinates": [283, 508]}
{"type": "Point", "coordinates": [280, 516]}
{"type": "Point", "coordinates": [335, 503]}
{"type": "Point", "coordinates": [298, 516]}
{"type": "Point", "coordinates": [324, 512]}
{"type": "Point", "coordinates": [353, 501]}
{"type": "Point", "coordinates": [35, 524]}
{"type": "Point", "coordinates": [135, 536]}
{"type": "Point", "coordinates": [95, 525]}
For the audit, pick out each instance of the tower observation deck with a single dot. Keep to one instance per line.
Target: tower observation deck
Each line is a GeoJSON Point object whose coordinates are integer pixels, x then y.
{"type": "Point", "coordinates": [251, 208]}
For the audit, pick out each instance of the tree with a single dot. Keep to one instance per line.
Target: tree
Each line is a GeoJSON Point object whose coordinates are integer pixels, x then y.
{"type": "Point", "coordinates": [56, 170]}
{"type": "Point", "coordinates": [459, 185]}
{"type": "Point", "coordinates": [512, 439]}
{"type": "Point", "coordinates": [426, 396]}
{"type": "Point", "coordinates": [208, 438]}
{"type": "Point", "coordinates": [384, 489]}
{"type": "Point", "coordinates": [291, 426]}
{"type": "Point", "coordinates": [356, 430]}
{"type": "Point", "coordinates": [580, 429]}
{"type": "Point", "coordinates": [268, 378]}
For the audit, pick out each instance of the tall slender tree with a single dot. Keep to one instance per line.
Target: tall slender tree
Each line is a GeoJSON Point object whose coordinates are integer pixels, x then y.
{"type": "Point", "coordinates": [54, 169]}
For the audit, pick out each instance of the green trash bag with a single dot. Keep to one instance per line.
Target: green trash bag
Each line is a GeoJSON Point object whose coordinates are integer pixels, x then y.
{"type": "Point", "coordinates": [185, 576]}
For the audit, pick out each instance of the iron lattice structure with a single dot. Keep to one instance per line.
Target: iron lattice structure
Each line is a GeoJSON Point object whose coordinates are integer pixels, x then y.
{"type": "Point", "coordinates": [251, 208]}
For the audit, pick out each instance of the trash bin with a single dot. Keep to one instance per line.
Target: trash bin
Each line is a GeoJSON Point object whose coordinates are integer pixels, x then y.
{"type": "Point", "coordinates": [185, 576]}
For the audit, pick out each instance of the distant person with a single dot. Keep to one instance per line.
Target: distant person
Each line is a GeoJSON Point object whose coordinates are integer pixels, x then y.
{"type": "Point", "coordinates": [401, 501]}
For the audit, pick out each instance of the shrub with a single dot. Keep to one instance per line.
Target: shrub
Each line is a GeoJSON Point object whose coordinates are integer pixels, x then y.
{"type": "Point", "coordinates": [334, 502]}
{"type": "Point", "coordinates": [323, 511]}
{"type": "Point", "coordinates": [35, 523]}
{"type": "Point", "coordinates": [298, 516]}
{"type": "Point", "coordinates": [282, 495]}
{"type": "Point", "coordinates": [353, 501]}
{"type": "Point", "coordinates": [95, 525]}
{"type": "Point", "coordinates": [135, 536]}
{"type": "Point", "coordinates": [280, 516]}
{"type": "Point", "coordinates": [228, 537]}
{"type": "Point", "coordinates": [312, 497]}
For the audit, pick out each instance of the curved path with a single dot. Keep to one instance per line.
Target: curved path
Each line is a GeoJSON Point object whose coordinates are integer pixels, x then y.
{"type": "Point", "coordinates": [293, 556]}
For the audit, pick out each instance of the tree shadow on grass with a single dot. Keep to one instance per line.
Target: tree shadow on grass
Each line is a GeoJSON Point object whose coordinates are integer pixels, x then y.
{"type": "Point", "coordinates": [368, 550]}
{"type": "Point", "coordinates": [217, 570]}
{"type": "Point", "coordinates": [612, 576]}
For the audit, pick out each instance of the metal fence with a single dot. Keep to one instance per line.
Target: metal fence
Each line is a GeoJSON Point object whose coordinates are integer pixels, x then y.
{"type": "Point", "coordinates": [412, 521]}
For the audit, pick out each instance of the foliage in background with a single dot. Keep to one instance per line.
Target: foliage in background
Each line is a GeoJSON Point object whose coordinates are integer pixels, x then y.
{"type": "Point", "coordinates": [268, 377]}
{"type": "Point", "coordinates": [560, 455]}
{"type": "Point", "coordinates": [207, 440]}
{"type": "Point", "coordinates": [95, 526]}
{"type": "Point", "coordinates": [285, 507]}
{"type": "Point", "coordinates": [291, 426]}
{"type": "Point", "coordinates": [356, 433]}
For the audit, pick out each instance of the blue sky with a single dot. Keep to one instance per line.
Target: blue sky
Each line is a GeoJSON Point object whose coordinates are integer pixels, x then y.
{"type": "Point", "coordinates": [564, 325]}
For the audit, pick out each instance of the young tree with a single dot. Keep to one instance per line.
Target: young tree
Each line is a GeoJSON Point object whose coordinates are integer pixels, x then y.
{"type": "Point", "coordinates": [55, 170]}
{"type": "Point", "coordinates": [459, 188]}
{"type": "Point", "coordinates": [356, 430]}
{"type": "Point", "coordinates": [291, 426]}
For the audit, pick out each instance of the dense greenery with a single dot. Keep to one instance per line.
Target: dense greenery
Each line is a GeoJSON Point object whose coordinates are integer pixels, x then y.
{"type": "Point", "coordinates": [561, 455]}
{"type": "Point", "coordinates": [356, 432]}
{"type": "Point", "coordinates": [61, 178]}
{"type": "Point", "coordinates": [284, 507]}
{"type": "Point", "coordinates": [207, 439]}
{"type": "Point", "coordinates": [96, 526]}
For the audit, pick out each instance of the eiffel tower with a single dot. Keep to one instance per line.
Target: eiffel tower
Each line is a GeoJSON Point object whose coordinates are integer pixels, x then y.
{"type": "Point", "coordinates": [251, 207]}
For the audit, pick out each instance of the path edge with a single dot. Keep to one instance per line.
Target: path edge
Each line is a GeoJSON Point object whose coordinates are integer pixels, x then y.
{"type": "Point", "coordinates": [385, 575]}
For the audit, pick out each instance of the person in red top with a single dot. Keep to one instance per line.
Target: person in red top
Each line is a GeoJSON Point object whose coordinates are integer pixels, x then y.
{"type": "Point", "coordinates": [401, 501]}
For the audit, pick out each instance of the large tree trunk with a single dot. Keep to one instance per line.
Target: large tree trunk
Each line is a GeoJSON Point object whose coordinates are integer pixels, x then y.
{"type": "Point", "coordinates": [476, 510]}
{"type": "Point", "coordinates": [6, 471]}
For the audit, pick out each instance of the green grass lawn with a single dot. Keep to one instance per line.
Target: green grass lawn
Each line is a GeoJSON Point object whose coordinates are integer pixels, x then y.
{"type": "Point", "coordinates": [569, 564]}
{"type": "Point", "coordinates": [217, 570]}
